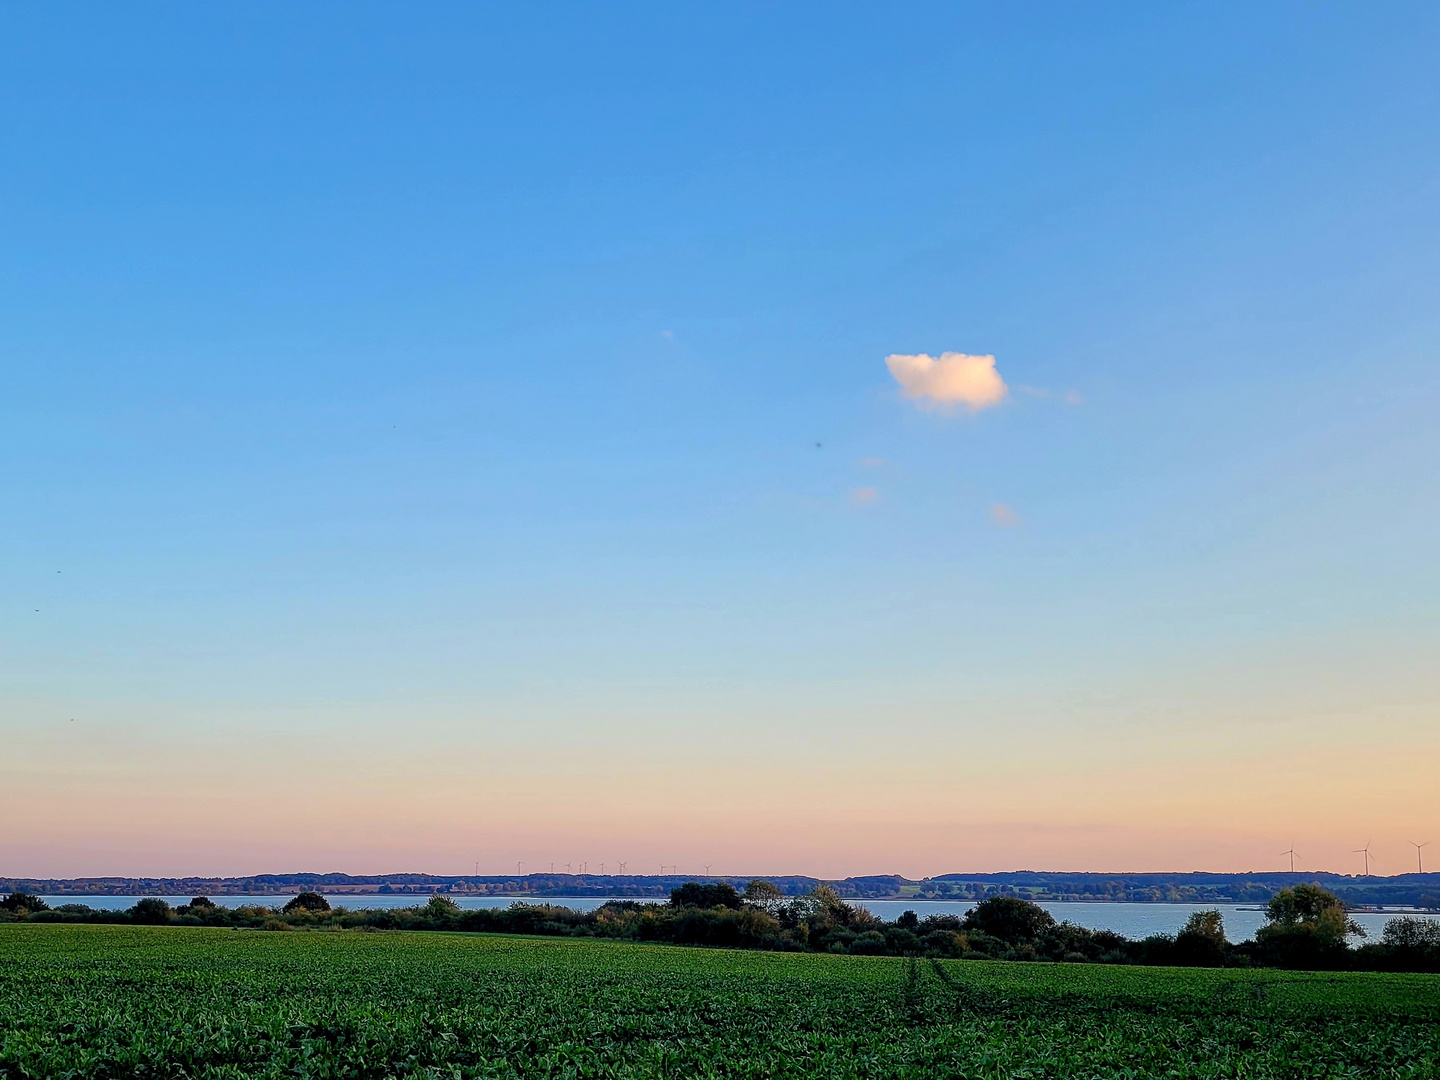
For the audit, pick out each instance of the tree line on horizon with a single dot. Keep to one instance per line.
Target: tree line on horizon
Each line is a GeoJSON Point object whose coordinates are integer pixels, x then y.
{"type": "Point", "coordinates": [1306, 927]}
{"type": "Point", "coordinates": [1191, 888]}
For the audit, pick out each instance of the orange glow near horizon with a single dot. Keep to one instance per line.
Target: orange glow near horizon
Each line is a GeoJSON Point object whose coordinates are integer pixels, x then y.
{"type": "Point", "coordinates": [159, 803]}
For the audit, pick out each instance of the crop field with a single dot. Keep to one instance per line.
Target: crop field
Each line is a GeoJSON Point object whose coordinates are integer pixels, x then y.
{"type": "Point", "coordinates": [162, 1002]}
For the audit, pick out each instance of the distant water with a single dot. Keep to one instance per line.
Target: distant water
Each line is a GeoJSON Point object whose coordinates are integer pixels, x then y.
{"type": "Point", "coordinates": [1132, 920]}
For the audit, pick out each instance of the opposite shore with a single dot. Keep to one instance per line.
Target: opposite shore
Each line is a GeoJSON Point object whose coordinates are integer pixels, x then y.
{"type": "Point", "coordinates": [1419, 892]}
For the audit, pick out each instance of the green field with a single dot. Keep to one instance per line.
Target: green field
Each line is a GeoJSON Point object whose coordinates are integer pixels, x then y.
{"type": "Point", "coordinates": [109, 1001]}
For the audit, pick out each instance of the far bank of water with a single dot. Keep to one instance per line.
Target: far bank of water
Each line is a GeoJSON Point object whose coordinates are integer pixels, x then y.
{"type": "Point", "coordinates": [1132, 920]}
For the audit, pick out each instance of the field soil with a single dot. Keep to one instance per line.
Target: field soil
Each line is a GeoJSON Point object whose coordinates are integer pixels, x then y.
{"type": "Point", "coordinates": [166, 1002]}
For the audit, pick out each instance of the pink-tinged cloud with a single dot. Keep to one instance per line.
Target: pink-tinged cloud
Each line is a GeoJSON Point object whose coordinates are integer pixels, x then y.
{"type": "Point", "coordinates": [864, 496]}
{"type": "Point", "coordinates": [1004, 516]}
{"type": "Point", "coordinates": [951, 379]}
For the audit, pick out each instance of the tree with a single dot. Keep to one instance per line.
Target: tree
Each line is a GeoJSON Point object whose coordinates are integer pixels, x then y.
{"type": "Point", "coordinates": [441, 907]}
{"type": "Point", "coordinates": [307, 901]}
{"type": "Point", "coordinates": [765, 895]}
{"type": "Point", "coordinates": [202, 902]}
{"type": "Point", "coordinates": [23, 903]}
{"type": "Point", "coordinates": [151, 911]}
{"type": "Point", "coordinates": [1201, 942]}
{"type": "Point", "coordinates": [1307, 928]}
{"type": "Point", "coordinates": [1411, 933]}
{"type": "Point", "coordinates": [1009, 918]}
{"type": "Point", "coordinates": [1313, 909]}
{"type": "Point", "coordinates": [823, 904]}
{"type": "Point", "coordinates": [710, 895]}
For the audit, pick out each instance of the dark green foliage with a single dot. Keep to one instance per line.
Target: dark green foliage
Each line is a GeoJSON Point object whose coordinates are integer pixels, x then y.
{"type": "Point", "coordinates": [1201, 943]}
{"type": "Point", "coordinates": [1009, 919]}
{"type": "Point", "coordinates": [22, 903]}
{"type": "Point", "coordinates": [307, 901]}
{"type": "Point", "coordinates": [1408, 944]}
{"type": "Point", "coordinates": [712, 895]}
{"type": "Point", "coordinates": [87, 1003]}
{"type": "Point", "coordinates": [1410, 933]}
{"type": "Point", "coordinates": [150, 911]}
{"type": "Point", "coordinates": [766, 896]}
{"type": "Point", "coordinates": [202, 902]}
{"type": "Point", "coordinates": [1307, 928]}
{"type": "Point", "coordinates": [1304, 904]}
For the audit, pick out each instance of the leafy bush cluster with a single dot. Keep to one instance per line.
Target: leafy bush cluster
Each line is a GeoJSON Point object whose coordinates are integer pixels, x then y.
{"type": "Point", "coordinates": [1307, 927]}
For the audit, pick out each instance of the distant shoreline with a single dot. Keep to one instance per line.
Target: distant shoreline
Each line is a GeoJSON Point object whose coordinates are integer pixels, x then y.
{"type": "Point", "coordinates": [1399, 893]}
{"type": "Point", "coordinates": [420, 897]}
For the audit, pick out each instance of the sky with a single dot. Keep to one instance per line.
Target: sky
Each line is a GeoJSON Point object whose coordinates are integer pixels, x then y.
{"type": "Point", "coordinates": [833, 439]}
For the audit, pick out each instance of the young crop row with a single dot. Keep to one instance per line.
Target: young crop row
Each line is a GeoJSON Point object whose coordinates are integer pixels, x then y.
{"type": "Point", "coordinates": [171, 1002]}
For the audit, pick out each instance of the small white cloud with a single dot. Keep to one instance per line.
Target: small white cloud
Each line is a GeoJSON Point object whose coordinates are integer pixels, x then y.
{"type": "Point", "coordinates": [864, 496]}
{"type": "Point", "coordinates": [872, 462]}
{"type": "Point", "coordinates": [1072, 397]}
{"type": "Point", "coordinates": [950, 379]}
{"type": "Point", "coordinates": [1003, 516]}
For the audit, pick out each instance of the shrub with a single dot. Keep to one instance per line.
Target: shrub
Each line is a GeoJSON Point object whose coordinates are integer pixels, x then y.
{"type": "Point", "coordinates": [944, 943]}
{"type": "Point", "coordinates": [441, 907]}
{"type": "Point", "coordinates": [710, 895]}
{"type": "Point", "coordinates": [951, 923]}
{"type": "Point", "coordinates": [1201, 943]}
{"type": "Point", "coordinates": [1009, 918]}
{"type": "Point", "coordinates": [23, 903]}
{"type": "Point", "coordinates": [870, 943]}
{"type": "Point", "coordinates": [151, 911]}
{"type": "Point", "coordinates": [1308, 928]}
{"type": "Point", "coordinates": [307, 901]}
{"type": "Point", "coordinates": [1411, 933]}
{"type": "Point", "coordinates": [900, 940]}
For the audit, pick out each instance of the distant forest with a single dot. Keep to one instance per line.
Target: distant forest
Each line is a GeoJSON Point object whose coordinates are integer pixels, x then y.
{"type": "Point", "coordinates": [1404, 890]}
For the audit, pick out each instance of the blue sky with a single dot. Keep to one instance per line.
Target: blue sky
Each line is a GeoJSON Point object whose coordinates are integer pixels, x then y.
{"type": "Point", "coordinates": [501, 396]}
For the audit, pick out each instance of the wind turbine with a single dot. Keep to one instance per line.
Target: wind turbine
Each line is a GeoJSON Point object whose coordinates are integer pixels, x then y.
{"type": "Point", "coordinates": [622, 868]}
{"type": "Point", "coordinates": [517, 869]}
{"type": "Point", "coordinates": [707, 869]}
{"type": "Point", "coordinates": [567, 869]}
{"type": "Point", "coordinates": [602, 868]}
{"type": "Point", "coordinates": [1292, 853]}
{"type": "Point", "coordinates": [1419, 861]}
{"type": "Point", "coordinates": [1366, 850]}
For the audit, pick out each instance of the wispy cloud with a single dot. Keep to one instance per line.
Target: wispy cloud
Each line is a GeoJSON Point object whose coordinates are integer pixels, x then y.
{"type": "Point", "coordinates": [1070, 397]}
{"type": "Point", "coordinates": [864, 496]}
{"type": "Point", "coordinates": [1003, 516]}
{"type": "Point", "coordinates": [949, 379]}
{"type": "Point", "coordinates": [872, 462]}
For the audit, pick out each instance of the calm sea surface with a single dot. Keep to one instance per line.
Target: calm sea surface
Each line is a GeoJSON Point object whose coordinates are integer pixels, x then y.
{"type": "Point", "coordinates": [1132, 920]}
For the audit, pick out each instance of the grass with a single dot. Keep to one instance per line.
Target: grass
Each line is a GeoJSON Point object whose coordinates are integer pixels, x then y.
{"type": "Point", "coordinates": [110, 1001]}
